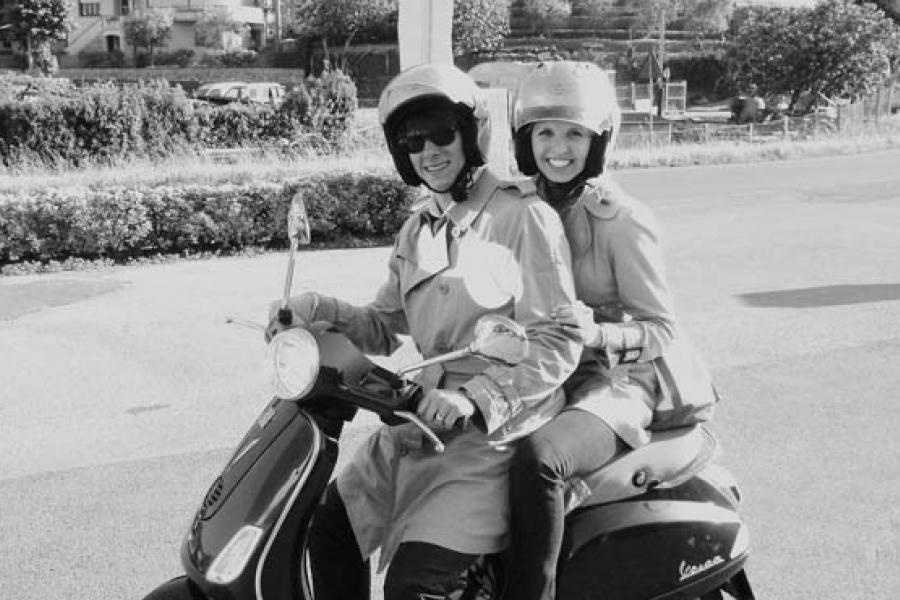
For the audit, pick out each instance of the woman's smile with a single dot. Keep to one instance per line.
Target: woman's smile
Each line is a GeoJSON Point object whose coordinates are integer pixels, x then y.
{"type": "Point", "coordinates": [560, 149]}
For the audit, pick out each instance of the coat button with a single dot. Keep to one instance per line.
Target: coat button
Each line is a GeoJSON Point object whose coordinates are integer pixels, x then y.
{"type": "Point", "coordinates": [442, 349]}
{"type": "Point", "coordinates": [444, 289]}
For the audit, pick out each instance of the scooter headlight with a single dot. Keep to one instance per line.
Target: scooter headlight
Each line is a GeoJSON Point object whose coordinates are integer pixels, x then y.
{"type": "Point", "coordinates": [234, 556]}
{"type": "Point", "coordinates": [292, 360]}
{"type": "Point", "coordinates": [741, 542]}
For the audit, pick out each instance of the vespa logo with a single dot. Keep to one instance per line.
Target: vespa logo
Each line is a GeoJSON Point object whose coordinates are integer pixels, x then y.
{"type": "Point", "coordinates": [686, 570]}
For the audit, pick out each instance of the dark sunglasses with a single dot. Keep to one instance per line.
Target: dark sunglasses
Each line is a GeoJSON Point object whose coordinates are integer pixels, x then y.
{"type": "Point", "coordinates": [413, 143]}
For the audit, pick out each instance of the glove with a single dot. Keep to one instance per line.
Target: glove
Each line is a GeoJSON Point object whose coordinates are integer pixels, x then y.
{"type": "Point", "coordinates": [446, 409]}
{"type": "Point", "coordinates": [593, 334]}
{"type": "Point", "coordinates": [306, 308]}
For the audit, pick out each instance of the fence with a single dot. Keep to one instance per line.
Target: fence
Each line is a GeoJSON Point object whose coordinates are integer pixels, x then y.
{"type": "Point", "coordinates": [837, 120]}
{"type": "Point", "coordinates": [640, 97]}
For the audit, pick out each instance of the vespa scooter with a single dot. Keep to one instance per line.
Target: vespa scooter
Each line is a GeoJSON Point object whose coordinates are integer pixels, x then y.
{"type": "Point", "coordinates": [658, 523]}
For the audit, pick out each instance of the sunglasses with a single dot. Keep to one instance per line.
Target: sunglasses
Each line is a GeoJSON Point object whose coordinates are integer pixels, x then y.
{"type": "Point", "coordinates": [413, 143]}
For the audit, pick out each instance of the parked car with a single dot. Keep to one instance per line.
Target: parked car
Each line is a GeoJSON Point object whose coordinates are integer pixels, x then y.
{"type": "Point", "coordinates": [265, 93]}
{"type": "Point", "coordinates": [238, 91]}
{"type": "Point", "coordinates": [215, 92]}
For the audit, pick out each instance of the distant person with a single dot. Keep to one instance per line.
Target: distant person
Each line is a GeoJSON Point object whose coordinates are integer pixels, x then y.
{"type": "Point", "coordinates": [659, 89]}
{"type": "Point", "coordinates": [752, 107]}
{"type": "Point", "coordinates": [758, 102]}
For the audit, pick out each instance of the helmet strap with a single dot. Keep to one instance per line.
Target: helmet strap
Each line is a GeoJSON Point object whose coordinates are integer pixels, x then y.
{"type": "Point", "coordinates": [561, 195]}
{"type": "Point", "coordinates": [459, 189]}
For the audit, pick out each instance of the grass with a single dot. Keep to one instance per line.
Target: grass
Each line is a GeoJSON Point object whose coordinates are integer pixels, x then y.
{"type": "Point", "coordinates": [370, 154]}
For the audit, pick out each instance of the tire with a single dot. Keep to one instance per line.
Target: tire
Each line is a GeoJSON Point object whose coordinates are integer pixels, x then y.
{"type": "Point", "coordinates": [179, 588]}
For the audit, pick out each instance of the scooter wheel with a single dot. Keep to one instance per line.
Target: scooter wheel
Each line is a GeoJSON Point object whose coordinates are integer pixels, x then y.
{"type": "Point", "coordinates": [179, 588]}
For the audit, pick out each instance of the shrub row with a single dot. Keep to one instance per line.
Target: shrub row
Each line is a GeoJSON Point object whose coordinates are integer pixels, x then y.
{"type": "Point", "coordinates": [344, 208]}
{"type": "Point", "coordinates": [102, 122]}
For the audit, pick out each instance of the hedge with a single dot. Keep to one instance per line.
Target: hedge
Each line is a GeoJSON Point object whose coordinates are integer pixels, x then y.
{"type": "Point", "coordinates": [120, 223]}
{"type": "Point", "coordinates": [107, 122]}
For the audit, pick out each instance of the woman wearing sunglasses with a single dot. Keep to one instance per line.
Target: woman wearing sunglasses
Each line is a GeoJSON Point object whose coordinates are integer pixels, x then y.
{"type": "Point", "coordinates": [565, 119]}
{"type": "Point", "coordinates": [473, 246]}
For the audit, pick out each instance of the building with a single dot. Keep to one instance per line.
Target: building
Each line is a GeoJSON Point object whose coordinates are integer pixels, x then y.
{"type": "Point", "coordinates": [100, 22]}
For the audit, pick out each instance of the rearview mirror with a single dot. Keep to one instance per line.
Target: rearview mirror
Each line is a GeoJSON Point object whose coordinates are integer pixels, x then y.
{"type": "Point", "coordinates": [298, 221]}
{"type": "Point", "coordinates": [495, 337]}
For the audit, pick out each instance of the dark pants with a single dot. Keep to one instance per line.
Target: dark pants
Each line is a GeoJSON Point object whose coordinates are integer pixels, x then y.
{"type": "Point", "coordinates": [418, 571]}
{"type": "Point", "coordinates": [574, 443]}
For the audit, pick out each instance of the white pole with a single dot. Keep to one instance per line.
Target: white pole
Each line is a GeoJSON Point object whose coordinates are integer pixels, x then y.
{"type": "Point", "coordinates": [424, 32]}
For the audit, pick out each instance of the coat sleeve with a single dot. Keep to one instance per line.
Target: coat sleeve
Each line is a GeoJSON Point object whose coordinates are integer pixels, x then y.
{"type": "Point", "coordinates": [373, 328]}
{"type": "Point", "coordinates": [636, 255]}
{"type": "Point", "coordinates": [547, 289]}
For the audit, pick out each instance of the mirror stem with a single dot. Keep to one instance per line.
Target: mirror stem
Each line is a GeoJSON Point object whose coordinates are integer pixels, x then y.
{"type": "Point", "coordinates": [289, 278]}
{"type": "Point", "coordinates": [435, 359]}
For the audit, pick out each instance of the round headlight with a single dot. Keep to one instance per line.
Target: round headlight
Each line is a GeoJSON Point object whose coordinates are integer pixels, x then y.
{"type": "Point", "coordinates": [292, 359]}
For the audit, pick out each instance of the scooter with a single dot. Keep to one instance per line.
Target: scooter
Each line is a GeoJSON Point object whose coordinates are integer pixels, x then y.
{"type": "Point", "coordinates": [658, 523]}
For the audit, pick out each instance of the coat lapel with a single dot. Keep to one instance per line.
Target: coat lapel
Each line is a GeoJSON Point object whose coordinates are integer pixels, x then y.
{"type": "Point", "coordinates": [429, 253]}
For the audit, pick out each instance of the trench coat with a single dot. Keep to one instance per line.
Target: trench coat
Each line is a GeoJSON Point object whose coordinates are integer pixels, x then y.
{"type": "Point", "coordinates": [501, 251]}
{"type": "Point", "coordinates": [618, 268]}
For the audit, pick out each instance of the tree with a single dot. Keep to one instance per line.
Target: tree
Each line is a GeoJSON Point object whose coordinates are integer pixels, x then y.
{"type": "Point", "coordinates": [39, 22]}
{"type": "Point", "coordinates": [479, 25]}
{"type": "Point", "coordinates": [214, 26]}
{"type": "Point", "coordinates": [836, 48]}
{"type": "Point", "coordinates": [891, 8]}
{"type": "Point", "coordinates": [544, 15]}
{"type": "Point", "coordinates": [344, 21]}
{"type": "Point", "coordinates": [697, 15]}
{"type": "Point", "coordinates": [149, 29]}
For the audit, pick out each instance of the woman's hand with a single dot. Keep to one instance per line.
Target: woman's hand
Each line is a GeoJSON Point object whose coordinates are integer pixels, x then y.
{"type": "Point", "coordinates": [591, 333]}
{"type": "Point", "coordinates": [304, 308]}
{"type": "Point", "coordinates": [442, 409]}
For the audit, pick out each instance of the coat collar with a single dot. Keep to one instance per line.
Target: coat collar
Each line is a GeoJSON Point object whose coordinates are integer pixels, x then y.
{"type": "Point", "coordinates": [428, 246]}
{"type": "Point", "coordinates": [461, 215]}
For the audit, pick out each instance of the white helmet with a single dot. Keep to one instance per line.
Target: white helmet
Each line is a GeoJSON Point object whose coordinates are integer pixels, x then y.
{"type": "Point", "coordinates": [576, 92]}
{"type": "Point", "coordinates": [435, 86]}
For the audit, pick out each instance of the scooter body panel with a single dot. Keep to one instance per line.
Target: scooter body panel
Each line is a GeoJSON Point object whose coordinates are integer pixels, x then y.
{"type": "Point", "coordinates": [284, 453]}
{"type": "Point", "coordinates": [670, 543]}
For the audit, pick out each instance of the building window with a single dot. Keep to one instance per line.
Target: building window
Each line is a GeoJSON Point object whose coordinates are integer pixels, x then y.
{"type": "Point", "coordinates": [124, 7]}
{"type": "Point", "coordinates": [89, 9]}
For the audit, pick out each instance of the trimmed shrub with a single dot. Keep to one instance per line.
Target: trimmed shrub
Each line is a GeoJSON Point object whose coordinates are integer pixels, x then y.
{"type": "Point", "coordinates": [105, 122]}
{"type": "Point", "coordinates": [183, 57]}
{"type": "Point", "coordinates": [99, 59]}
{"type": "Point", "coordinates": [344, 208]}
{"type": "Point", "coordinates": [334, 102]}
{"type": "Point", "coordinates": [229, 58]}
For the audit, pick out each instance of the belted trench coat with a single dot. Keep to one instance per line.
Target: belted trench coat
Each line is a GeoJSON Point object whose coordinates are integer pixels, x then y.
{"type": "Point", "coordinates": [501, 251]}
{"type": "Point", "coordinates": [618, 268]}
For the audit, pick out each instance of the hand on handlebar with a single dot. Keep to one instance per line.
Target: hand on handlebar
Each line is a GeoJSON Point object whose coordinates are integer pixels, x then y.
{"type": "Point", "coordinates": [446, 409]}
{"type": "Point", "coordinates": [301, 310]}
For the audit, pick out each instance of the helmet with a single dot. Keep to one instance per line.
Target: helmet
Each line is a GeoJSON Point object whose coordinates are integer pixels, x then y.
{"type": "Point", "coordinates": [435, 86]}
{"type": "Point", "coordinates": [577, 92]}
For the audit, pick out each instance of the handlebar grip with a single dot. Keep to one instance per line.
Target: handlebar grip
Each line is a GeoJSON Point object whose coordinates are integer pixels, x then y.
{"type": "Point", "coordinates": [285, 316]}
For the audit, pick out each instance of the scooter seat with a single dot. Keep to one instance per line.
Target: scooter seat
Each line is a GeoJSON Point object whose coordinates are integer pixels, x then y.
{"type": "Point", "coordinates": [670, 458]}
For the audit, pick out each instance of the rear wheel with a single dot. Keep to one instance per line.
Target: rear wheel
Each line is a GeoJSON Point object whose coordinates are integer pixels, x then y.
{"type": "Point", "coordinates": [179, 588]}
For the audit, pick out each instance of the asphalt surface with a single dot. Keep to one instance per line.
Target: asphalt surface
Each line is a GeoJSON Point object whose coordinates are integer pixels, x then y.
{"type": "Point", "coordinates": [122, 391]}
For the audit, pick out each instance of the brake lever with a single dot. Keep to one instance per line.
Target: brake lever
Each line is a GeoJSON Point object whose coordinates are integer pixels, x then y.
{"type": "Point", "coordinates": [415, 420]}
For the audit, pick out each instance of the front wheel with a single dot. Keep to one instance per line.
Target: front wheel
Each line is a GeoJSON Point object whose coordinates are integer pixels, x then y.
{"type": "Point", "coordinates": [179, 588]}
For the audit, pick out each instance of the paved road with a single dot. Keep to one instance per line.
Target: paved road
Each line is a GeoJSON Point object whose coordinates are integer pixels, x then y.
{"type": "Point", "coordinates": [122, 391]}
